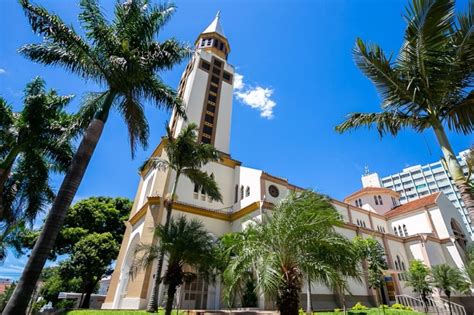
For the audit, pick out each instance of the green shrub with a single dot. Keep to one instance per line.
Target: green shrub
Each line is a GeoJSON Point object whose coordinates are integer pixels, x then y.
{"type": "Point", "coordinates": [301, 311]}
{"type": "Point", "coordinates": [398, 306]}
{"type": "Point", "coordinates": [337, 310]}
{"type": "Point", "coordinates": [359, 307]}
{"type": "Point", "coordinates": [408, 308]}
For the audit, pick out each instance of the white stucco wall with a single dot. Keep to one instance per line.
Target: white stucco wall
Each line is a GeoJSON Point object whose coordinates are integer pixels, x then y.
{"type": "Point", "coordinates": [416, 222]}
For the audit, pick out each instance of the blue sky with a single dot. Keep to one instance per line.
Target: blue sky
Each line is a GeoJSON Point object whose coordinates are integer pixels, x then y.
{"type": "Point", "coordinates": [295, 55]}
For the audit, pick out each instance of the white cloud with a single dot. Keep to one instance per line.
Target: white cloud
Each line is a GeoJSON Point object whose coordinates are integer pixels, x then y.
{"type": "Point", "coordinates": [238, 81]}
{"type": "Point", "coordinates": [257, 97]}
{"type": "Point", "coordinates": [3, 71]}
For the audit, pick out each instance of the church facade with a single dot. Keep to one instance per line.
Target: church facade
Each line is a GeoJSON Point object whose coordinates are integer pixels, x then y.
{"type": "Point", "coordinates": [427, 229]}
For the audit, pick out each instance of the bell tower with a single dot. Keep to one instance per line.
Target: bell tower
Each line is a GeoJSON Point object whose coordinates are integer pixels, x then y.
{"type": "Point", "coordinates": [206, 88]}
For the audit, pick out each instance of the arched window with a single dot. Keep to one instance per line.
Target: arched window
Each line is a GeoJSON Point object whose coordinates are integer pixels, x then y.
{"type": "Point", "coordinates": [403, 266]}
{"type": "Point", "coordinates": [376, 200]}
{"type": "Point", "coordinates": [363, 223]}
{"type": "Point", "coordinates": [196, 188]}
{"type": "Point", "coordinates": [242, 192]}
{"type": "Point", "coordinates": [396, 265]}
{"type": "Point", "coordinates": [357, 202]}
{"type": "Point", "coordinates": [395, 230]}
{"type": "Point", "coordinates": [459, 236]}
{"type": "Point", "coordinates": [247, 191]}
{"type": "Point", "coordinates": [400, 231]}
{"type": "Point", "coordinates": [380, 200]}
{"type": "Point", "coordinates": [405, 231]}
{"type": "Point", "coordinates": [236, 196]}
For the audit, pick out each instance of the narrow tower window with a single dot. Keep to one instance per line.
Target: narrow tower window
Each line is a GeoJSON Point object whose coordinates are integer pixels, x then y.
{"type": "Point", "coordinates": [236, 197]}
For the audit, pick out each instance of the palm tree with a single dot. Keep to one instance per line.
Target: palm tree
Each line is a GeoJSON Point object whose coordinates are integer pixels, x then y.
{"type": "Point", "coordinates": [185, 156]}
{"type": "Point", "coordinates": [419, 279]}
{"type": "Point", "coordinates": [123, 57]}
{"type": "Point", "coordinates": [373, 253]}
{"type": "Point", "coordinates": [429, 84]}
{"type": "Point", "coordinates": [299, 237]}
{"type": "Point", "coordinates": [446, 279]}
{"type": "Point", "coordinates": [33, 142]}
{"type": "Point", "coordinates": [185, 243]}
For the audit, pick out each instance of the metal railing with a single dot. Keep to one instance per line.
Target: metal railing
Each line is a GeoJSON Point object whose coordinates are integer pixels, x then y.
{"type": "Point", "coordinates": [407, 300]}
{"type": "Point", "coordinates": [433, 305]}
{"type": "Point", "coordinates": [442, 306]}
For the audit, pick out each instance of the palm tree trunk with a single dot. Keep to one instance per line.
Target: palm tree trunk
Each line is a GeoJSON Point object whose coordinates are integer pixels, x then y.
{"type": "Point", "coordinates": [170, 299]}
{"type": "Point", "coordinates": [153, 302]}
{"type": "Point", "coordinates": [448, 294]}
{"type": "Point", "coordinates": [3, 179]}
{"type": "Point", "coordinates": [455, 170]}
{"type": "Point", "coordinates": [309, 303]}
{"type": "Point", "coordinates": [4, 174]}
{"type": "Point", "coordinates": [26, 285]}
{"type": "Point", "coordinates": [288, 299]}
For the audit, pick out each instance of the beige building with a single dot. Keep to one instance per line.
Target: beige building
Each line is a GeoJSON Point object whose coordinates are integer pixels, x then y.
{"type": "Point", "coordinates": [426, 229]}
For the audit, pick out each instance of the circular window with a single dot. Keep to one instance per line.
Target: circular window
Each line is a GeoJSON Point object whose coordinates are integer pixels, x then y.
{"type": "Point", "coordinates": [273, 190]}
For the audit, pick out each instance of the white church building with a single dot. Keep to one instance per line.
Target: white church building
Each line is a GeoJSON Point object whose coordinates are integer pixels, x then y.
{"type": "Point", "coordinates": [429, 229]}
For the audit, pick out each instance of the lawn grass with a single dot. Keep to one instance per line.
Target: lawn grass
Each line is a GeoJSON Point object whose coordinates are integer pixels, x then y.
{"type": "Point", "coordinates": [372, 311]}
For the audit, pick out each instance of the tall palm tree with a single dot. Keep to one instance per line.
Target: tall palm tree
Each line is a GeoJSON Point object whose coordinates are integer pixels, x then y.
{"type": "Point", "coordinates": [446, 279]}
{"type": "Point", "coordinates": [186, 244]}
{"type": "Point", "coordinates": [299, 237]}
{"type": "Point", "coordinates": [185, 156]}
{"type": "Point", "coordinates": [123, 57]}
{"type": "Point", "coordinates": [373, 253]}
{"type": "Point", "coordinates": [33, 142]}
{"type": "Point", "coordinates": [429, 84]}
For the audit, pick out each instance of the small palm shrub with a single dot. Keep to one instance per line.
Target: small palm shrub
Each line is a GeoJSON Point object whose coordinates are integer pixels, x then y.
{"type": "Point", "coordinates": [359, 307]}
{"type": "Point", "coordinates": [398, 306]}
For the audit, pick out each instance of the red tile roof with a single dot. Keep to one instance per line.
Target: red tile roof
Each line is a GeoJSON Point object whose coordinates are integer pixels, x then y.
{"type": "Point", "coordinates": [368, 190]}
{"type": "Point", "coordinates": [413, 205]}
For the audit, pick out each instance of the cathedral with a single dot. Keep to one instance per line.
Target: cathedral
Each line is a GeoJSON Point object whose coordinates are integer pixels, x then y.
{"type": "Point", "coordinates": [428, 229]}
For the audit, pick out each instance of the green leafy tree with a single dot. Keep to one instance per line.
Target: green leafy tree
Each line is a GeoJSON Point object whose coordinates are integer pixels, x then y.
{"type": "Point", "coordinates": [91, 236]}
{"type": "Point", "coordinates": [185, 243]}
{"type": "Point", "coordinates": [374, 255]}
{"type": "Point", "coordinates": [56, 280]}
{"type": "Point", "coordinates": [185, 156]}
{"type": "Point", "coordinates": [33, 142]}
{"type": "Point", "coordinates": [90, 260]}
{"type": "Point", "coordinates": [429, 84]}
{"type": "Point", "coordinates": [299, 237]}
{"type": "Point", "coordinates": [446, 279]}
{"type": "Point", "coordinates": [419, 280]}
{"type": "Point", "coordinates": [124, 58]}
{"type": "Point", "coordinates": [90, 215]}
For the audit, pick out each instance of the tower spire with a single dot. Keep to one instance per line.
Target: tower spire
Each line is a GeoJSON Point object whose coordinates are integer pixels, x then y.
{"type": "Point", "coordinates": [215, 26]}
{"type": "Point", "coordinates": [213, 38]}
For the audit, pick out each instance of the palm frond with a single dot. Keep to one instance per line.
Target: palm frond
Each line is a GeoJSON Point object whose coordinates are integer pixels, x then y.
{"type": "Point", "coordinates": [384, 122]}
{"type": "Point", "coordinates": [59, 34]}
{"type": "Point", "coordinates": [96, 26]}
{"type": "Point", "coordinates": [205, 182]}
{"type": "Point", "coordinates": [137, 125]}
{"type": "Point", "coordinates": [460, 116]}
{"type": "Point", "coordinates": [373, 62]}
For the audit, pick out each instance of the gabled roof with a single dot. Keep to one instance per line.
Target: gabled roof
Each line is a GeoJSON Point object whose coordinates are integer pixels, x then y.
{"type": "Point", "coordinates": [413, 205]}
{"type": "Point", "coordinates": [370, 190]}
{"type": "Point", "coordinates": [215, 26]}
